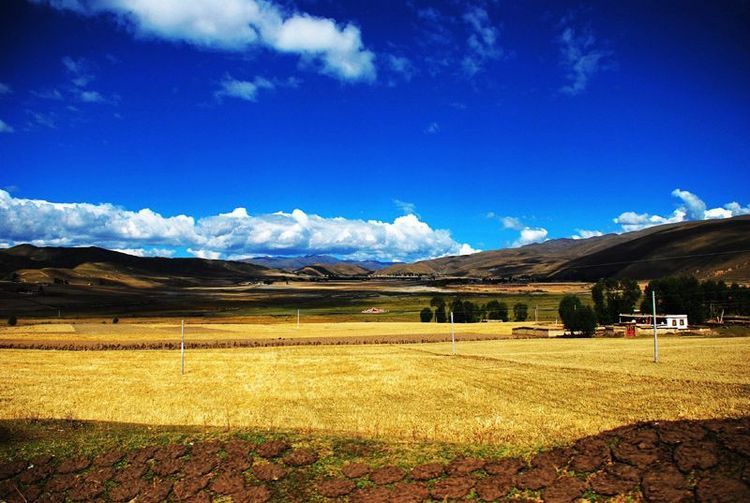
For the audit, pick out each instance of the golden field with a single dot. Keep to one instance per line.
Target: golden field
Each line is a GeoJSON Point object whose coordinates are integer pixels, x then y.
{"type": "Point", "coordinates": [517, 395]}
{"type": "Point", "coordinates": [198, 331]}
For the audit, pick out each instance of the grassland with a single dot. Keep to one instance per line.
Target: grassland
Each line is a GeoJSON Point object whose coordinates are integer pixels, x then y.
{"type": "Point", "coordinates": [88, 333]}
{"type": "Point", "coordinates": [513, 395]}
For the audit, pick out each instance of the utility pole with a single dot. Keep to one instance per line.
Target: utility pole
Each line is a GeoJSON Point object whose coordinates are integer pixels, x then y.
{"type": "Point", "coordinates": [656, 337]}
{"type": "Point", "coordinates": [453, 334]}
{"type": "Point", "coordinates": [536, 313]}
{"type": "Point", "coordinates": [182, 347]}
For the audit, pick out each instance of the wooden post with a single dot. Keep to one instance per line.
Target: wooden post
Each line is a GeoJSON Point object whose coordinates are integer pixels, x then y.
{"type": "Point", "coordinates": [656, 337]}
{"type": "Point", "coordinates": [182, 347]}
{"type": "Point", "coordinates": [453, 334]}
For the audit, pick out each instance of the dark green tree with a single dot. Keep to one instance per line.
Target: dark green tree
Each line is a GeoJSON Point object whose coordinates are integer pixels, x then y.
{"type": "Point", "coordinates": [12, 321]}
{"type": "Point", "coordinates": [457, 308]}
{"type": "Point", "coordinates": [520, 311]}
{"type": "Point", "coordinates": [584, 321]}
{"type": "Point", "coordinates": [497, 310]}
{"type": "Point", "coordinates": [614, 296]}
{"type": "Point", "coordinates": [677, 295]}
{"type": "Point", "coordinates": [425, 315]}
{"type": "Point", "coordinates": [569, 304]}
{"type": "Point", "coordinates": [440, 315]}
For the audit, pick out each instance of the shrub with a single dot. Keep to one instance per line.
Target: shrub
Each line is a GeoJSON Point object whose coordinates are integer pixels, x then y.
{"type": "Point", "coordinates": [115, 320]}
{"type": "Point", "coordinates": [425, 315]}
{"type": "Point", "coordinates": [12, 321]}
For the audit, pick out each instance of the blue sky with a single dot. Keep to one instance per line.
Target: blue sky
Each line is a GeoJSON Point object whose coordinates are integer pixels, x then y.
{"type": "Point", "coordinates": [397, 130]}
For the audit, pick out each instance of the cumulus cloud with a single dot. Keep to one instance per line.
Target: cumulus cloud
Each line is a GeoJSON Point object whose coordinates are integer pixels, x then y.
{"type": "Point", "coordinates": [531, 235]}
{"type": "Point", "coordinates": [585, 234]}
{"type": "Point", "coordinates": [243, 89]}
{"type": "Point", "coordinates": [526, 234]}
{"type": "Point", "coordinates": [511, 223]}
{"type": "Point", "coordinates": [581, 58]}
{"type": "Point", "coordinates": [232, 234]}
{"type": "Point", "coordinates": [692, 207]}
{"type": "Point", "coordinates": [5, 128]}
{"type": "Point", "coordinates": [238, 25]}
{"type": "Point", "coordinates": [144, 252]}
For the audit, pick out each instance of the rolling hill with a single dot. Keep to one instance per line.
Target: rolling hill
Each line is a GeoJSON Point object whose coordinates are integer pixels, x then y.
{"type": "Point", "coordinates": [45, 264]}
{"type": "Point", "coordinates": [706, 249]}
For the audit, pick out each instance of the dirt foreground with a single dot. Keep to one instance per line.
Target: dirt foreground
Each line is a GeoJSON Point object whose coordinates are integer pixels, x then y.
{"type": "Point", "coordinates": [706, 461]}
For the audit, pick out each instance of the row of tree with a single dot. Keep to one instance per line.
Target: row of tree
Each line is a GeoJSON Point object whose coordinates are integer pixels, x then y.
{"type": "Point", "coordinates": [465, 311]}
{"type": "Point", "coordinates": [700, 300]}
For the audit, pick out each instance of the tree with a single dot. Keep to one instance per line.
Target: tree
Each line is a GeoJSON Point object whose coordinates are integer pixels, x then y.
{"type": "Point", "coordinates": [520, 311]}
{"type": "Point", "coordinates": [457, 308]}
{"type": "Point", "coordinates": [437, 302]}
{"type": "Point", "coordinates": [425, 315]}
{"type": "Point", "coordinates": [12, 321]}
{"type": "Point", "coordinates": [569, 304]}
{"type": "Point", "coordinates": [115, 320]}
{"type": "Point", "coordinates": [677, 295]}
{"type": "Point", "coordinates": [614, 296]}
{"type": "Point", "coordinates": [497, 310]}
{"type": "Point", "coordinates": [584, 321]}
{"type": "Point", "coordinates": [440, 315]}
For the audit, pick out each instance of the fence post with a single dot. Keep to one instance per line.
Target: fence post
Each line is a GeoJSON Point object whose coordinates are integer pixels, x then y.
{"type": "Point", "coordinates": [182, 347]}
{"type": "Point", "coordinates": [656, 337]}
{"type": "Point", "coordinates": [453, 334]}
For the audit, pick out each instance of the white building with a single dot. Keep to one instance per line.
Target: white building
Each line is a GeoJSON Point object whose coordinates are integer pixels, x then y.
{"type": "Point", "coordinates": [670, 321]}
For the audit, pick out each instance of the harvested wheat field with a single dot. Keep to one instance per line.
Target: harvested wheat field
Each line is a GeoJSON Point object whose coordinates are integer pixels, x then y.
{"type": "Point", "coordinates": [518, 395]}
{"type": "Point", "coordinates": [150, 335]}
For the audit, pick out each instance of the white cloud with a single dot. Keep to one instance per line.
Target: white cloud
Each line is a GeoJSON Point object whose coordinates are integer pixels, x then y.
{"type": "Point", "coordinates": [692, 208]}
{"type": "Point", "coordinates": [511, 223]}
{"type": "Point", "coordinates": [405, 206]}
{"type": "Point", "coordinates": [5, 89]}
{"type": "Point", "coordinates": [580, 57]}
{"type": "Point", "coordinates": [531, 235]}
{"type": "Point", "coordinates": [482, 41]}
{"type": "Point", "coordinates": [401, 65]}
{"type": "Point", "coordinates": [237, 233]}
{"type": "Point", "coordinates": [91, 97]}
{"type": "Point", "coordinates": [144, 252]}
{"type": "Point", "coordinates": [207, 254]}
{"type": "Point", "coordinates": [5, 128]}
{"type": "Point", "coordinates": [243, 89]}
{"type": "Point", "coordinates": [585, 234]}
{"type": "Point", "coordinates": [238, 25]}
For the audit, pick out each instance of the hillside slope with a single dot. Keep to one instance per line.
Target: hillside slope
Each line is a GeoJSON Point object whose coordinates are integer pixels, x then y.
{"type": "Point", "coordinates": [99, 263]}
{"type": "Point", "coordinates": [707, 249]}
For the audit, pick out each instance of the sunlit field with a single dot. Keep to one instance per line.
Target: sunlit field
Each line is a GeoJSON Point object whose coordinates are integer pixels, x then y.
{"type": "Point", "coordinates": [203, 332]}
{"type": "Point", "coordinates": [517, 394]}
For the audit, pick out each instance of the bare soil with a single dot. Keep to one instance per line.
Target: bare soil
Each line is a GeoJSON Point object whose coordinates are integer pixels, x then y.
{"type": "Point", "coordinates": [704, 461]}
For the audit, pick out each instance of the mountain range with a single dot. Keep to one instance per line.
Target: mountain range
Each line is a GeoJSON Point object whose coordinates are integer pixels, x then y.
{"type": "Point", "coordinates": [706, 249]}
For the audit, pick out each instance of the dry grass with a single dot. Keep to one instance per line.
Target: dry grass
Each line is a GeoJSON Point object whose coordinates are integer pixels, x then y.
{"type": "Point", "coordinates": [200, 332]}
{"type": "Point", "coordinates": [515, 394]}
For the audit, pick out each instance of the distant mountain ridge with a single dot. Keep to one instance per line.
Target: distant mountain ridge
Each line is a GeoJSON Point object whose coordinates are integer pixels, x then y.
{"type": "Point", "coordinates": [297, 263]}
{"type": "Point", "coordinates": [707, 249]}
{"type": "Point", "coordinates": [718, 249]}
